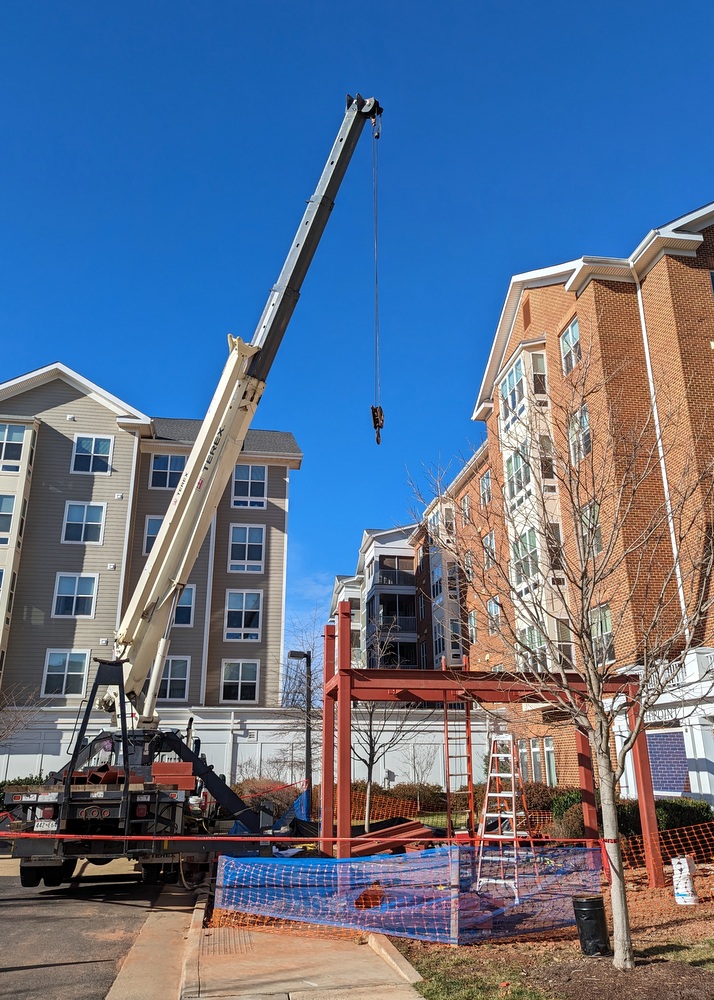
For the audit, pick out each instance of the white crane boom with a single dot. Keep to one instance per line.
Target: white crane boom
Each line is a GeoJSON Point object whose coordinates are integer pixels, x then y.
{"type": "Point", "coordinates": [142, 636]}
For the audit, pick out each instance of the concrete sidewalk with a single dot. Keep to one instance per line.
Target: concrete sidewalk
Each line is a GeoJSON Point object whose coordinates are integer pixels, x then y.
{"type": "Point", "coordinates": [228, 962]}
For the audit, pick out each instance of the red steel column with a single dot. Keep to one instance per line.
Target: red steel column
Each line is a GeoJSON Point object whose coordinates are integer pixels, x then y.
{"type": "Point", "coordinates": [344, 729]}
{"type": "Point", "coordinates": [327, 787]}
{"type": "Point", "coordinates": [587, 784]}
{"type": "Point", "coordinates": [645, 796]}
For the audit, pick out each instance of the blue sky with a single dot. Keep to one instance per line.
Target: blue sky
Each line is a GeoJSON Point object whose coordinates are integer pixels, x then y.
{"type": "Point", "coordinates": [156, 160]}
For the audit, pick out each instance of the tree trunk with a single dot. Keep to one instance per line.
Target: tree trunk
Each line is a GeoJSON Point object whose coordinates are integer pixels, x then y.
{"type": "Point", "coordinates": [368, 800]}
{"type": "Point", "coordinates": [622, 938]}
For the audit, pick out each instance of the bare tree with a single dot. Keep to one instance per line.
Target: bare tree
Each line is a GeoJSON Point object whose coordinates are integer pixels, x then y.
{"type": "Point", "coordinates": [589, 563]}
{"type": "Point", "coordinates": [19, 709]}
{"type": "Point", "coordinates": [419, 760]}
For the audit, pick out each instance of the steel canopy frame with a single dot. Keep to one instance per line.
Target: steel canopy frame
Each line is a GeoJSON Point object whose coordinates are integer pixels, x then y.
{"type": "Point", "coordinates": [343, 684]}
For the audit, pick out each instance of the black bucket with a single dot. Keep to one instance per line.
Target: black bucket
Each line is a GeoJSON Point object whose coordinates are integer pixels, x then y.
{"type": "Point", "coordinates": [592, 925]}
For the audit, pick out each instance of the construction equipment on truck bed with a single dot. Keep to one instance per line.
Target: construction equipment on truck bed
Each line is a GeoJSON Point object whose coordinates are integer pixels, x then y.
{"type": "Point", "coordinates": [119, 786]}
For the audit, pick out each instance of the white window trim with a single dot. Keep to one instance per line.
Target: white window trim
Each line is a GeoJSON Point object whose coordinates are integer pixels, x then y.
{"type": "Point", "coordinates": [5, 535]}
{"type": "Point", "coordinates": [233, 701]}
{"type": "Point", "coordinates": [241, 590]}
{"type": "Point", "coordinates": [249, 504]}
{"type": "Point", "coordinates": [95, 577]}
{"type": "Point", "coordinates": [110, 456]}
{"type": "Point", "coordinates": [146, 531]}
{"type": "Point", "coordinates": [85, 652]}
{"type": "Point", "coordinates": [238, 524]}
{"type": "Point", "coordinates": [169, 455]}
{"type": "Point", "coordinates": [85, 503]}
{"type": "Point", "coordinates": [189, 587]}
{"type": "Point", "coordinates": [168, 660]}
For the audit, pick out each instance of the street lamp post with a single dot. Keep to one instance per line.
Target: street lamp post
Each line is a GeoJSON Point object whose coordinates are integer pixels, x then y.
{"type": "Point", "coordinates": [306, 655]}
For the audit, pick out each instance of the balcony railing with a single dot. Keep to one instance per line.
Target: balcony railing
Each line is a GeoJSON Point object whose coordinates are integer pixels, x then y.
{"type": "Point", "coordinates": [395, 578]}
{"type": "Point", "coordinates": [399, 623]}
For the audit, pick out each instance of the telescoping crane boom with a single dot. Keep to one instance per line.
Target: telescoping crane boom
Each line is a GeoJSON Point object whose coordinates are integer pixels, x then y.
{"type": "Point", "coordinates": [142, 641]}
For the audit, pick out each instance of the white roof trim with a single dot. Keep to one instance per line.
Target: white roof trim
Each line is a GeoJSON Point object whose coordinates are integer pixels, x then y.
{"type": "Point", "coordinates": [41, 376]}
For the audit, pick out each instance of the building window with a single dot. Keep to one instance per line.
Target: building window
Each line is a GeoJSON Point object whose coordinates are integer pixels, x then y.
{"type": "Point", "coordinates": [422, 656]}
{"type": "Point", "coordinates": [536, 761]}
{"type": "Point", "coordinates": [512, 393]}
{"type": "Point", "coordinates": [549, 751]}
{"type": "Point", "coordinates": [436, 582]}
{"type": "Point", "coordinates": [518, 471]}
{"type": "Point", "coordinates": [246, 550]}
{"type": "Point", "coordinates": [184, 609]}
{"type": "Point", "coordinates": [601, 631]}
{"type": "Point", "coordinates": [592, 535]}
{"type": "Point", "coordinates": [83, 523]}
{"type": "Point", "coordinates": [525, 557]}
{"type": "Point", "coordinates": [240, 680]}
{"type": "Point", "coordinates": [469, 566]}
{"type": "Point", "coordinates": [439, 642]}
{"type": "Point", "coordinates": [579, 435]}
{"type": "Point", "coordinates": [7, 506]}
{"type": "Point", "coordinates": [11, 438]}
{"type": "Point", "coordinates": [455, 637]}
{"type": "Point", "coordinates": [570, 346]}
{"type": "Point", "coordinates": [75, 595]}
{"type": "Point", "coordinates": [540, 383]}
{"type": "Point", "coordinates": [489, 550]}
{"type": "Point", "coordinates": [472, 628]}
{"type": "Point", "coordinates": [565, 644]}
{"type": "Point", "coordinates": [92, 455]}
{"type": "Point", "coordinates": [174, 680]}
{"type": "Point", "coordinates": [554, 544]}
{"type": "Point", "coordinates": [532, 653]}
{"type": "Point", "coordinates": [249, 486]}
{"type": "Point", "coordinates": [166, 471]}
{"type": "Point", "coordinates": [151, 530]}
{"type": "Point", "coordinates": [422, 606]}
{"type": "Point", "coordinates": [484, 487]}
{"type": "Point", "coordinates": [452, 581]}
{"type": "Point", "coordinates": [523, 759]}
{"type": "Point", "coordinates": [547, 458]}
{"type": "Point", "coordinates": [493, 611]}
{"type": "Point", "coordinates": [243, 615]}
{"type": "Point", "coordinates": [65, 672]}
{"type": "Point", "coordinates": [465, 510]}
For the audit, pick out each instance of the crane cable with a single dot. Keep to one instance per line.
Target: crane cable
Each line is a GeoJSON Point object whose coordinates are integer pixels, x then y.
{"type": "Point", "coordinates": [377, 411]}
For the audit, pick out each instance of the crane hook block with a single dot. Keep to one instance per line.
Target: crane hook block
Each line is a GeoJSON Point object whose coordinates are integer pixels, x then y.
{"type": "Point", "coordinates": [378, 422]}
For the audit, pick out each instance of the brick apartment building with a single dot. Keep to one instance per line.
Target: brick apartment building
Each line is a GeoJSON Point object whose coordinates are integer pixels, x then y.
{"type": "Point", "coordinates": [598, 406]}
{"type": "Point", "coordinates": [85, 480]}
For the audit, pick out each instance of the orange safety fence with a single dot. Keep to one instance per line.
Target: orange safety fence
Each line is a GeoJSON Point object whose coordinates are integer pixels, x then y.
{"type": "Point", "coordinates": [381, 807]}
{"type": "Point", "coordinates": [696, 842]}
{"type": "Point", "coordinates": [540, 821]}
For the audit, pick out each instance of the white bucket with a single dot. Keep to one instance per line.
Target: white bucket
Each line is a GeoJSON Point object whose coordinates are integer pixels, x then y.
{"type": "Point", "coordinates": [682, 871]}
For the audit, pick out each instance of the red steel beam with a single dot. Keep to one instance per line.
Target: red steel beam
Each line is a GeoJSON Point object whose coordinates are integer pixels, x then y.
{"type": "Point", "coordinates": [587, 784]}
{"type": "Point", "coordinates": [327, 787]}
{"type": "Point", "coordinates": [344, 729]}
{"type": "Point", "coordinates": [646, 799]}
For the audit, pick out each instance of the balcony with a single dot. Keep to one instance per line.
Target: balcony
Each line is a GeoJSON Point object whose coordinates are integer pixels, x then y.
{"type": "Point", "coordinates": [398, 623]}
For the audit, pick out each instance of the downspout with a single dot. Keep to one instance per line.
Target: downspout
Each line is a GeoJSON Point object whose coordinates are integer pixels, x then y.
{"type": "Point", "coordinates": [660, 452]}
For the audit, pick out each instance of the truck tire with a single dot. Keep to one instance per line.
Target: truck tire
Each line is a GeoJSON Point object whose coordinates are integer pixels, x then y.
{"type": "Point", "coordinates": [52, 876]}
{"type": "Point", "coordinates": [151, 874]}
{"type": "Point", "coordinates": [68, 869]}
{"type": "Point", "coordinates": [30, 876]}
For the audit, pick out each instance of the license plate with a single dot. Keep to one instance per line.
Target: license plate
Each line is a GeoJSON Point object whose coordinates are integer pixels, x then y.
{"type": "Point", "coordinates": [46, 825]}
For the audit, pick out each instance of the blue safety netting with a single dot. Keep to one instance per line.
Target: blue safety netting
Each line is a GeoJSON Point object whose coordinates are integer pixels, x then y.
{"type": "Point", "coordinates": [442, 895]}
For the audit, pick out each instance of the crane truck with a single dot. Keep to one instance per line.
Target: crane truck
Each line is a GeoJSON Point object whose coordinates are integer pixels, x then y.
{"type": "Point", "coordinates": [135, 780]}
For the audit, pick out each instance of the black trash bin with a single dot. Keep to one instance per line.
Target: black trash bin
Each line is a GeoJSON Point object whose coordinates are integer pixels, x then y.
{"type": "Point", "coordinates": [592, 925]}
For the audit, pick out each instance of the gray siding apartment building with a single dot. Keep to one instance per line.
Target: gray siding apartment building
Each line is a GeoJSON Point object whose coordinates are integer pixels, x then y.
{"type": "Point", "coordinates": [85, 480]}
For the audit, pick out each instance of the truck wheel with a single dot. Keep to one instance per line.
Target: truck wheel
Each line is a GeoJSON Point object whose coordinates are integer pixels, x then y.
{"type": "Point", "coordinates": [30, 876]}
{"type": "Point", "coordinates": [68, 869]}
{"type": "Point", "coordinates": [52, 877]}
{"type": "Point", "coordinates": [151, 874]}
